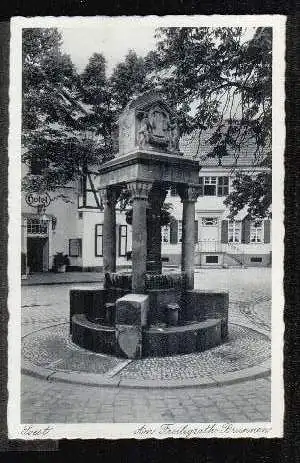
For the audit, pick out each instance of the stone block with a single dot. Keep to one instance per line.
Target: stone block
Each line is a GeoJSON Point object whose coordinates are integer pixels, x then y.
{"type": "Point", "coordinates": [132, 309]}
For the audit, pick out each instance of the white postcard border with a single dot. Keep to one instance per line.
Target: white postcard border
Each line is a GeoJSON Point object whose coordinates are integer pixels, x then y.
{"type": "Point", "coordinates": [136, 430]}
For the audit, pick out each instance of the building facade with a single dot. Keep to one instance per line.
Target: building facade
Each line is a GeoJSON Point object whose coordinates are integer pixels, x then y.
{"type": "Point", "coordinates": [75, 228]}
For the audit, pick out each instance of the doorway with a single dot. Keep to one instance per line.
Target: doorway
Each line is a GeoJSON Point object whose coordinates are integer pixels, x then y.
{"type": "Point", "coordinates": [38, 254]}
{"type": "Point", "coordinates": [209, 230]}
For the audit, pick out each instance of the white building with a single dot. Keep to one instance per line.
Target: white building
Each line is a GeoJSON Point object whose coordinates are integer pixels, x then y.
{"type": "Point", "coordinates": [75, 227]}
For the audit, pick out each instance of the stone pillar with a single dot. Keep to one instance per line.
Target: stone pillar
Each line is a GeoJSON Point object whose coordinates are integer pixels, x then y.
{"type": "Point", "coordinates": [139, 192]}
{"type": "Point", "coordinates": [109, 197]}
{"type": "Point", "coordinates": [156, 199]}
{"type": "Point", "coordinates": [188, 196]}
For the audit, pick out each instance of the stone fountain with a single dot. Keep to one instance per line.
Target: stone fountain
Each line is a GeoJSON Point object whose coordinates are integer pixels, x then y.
{"type": "Point", "coordinates": [147, 312]}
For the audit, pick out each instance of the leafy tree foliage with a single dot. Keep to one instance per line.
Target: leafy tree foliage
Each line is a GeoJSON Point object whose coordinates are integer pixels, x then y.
{"type": "Point", "coordinates": [128, 79]}
{"type": "Point", "coordinates": [70, 119]}
{"type": "Point", "coordinates": [51, 112]}
{"type": "Point", "coordinates": [220, 79]}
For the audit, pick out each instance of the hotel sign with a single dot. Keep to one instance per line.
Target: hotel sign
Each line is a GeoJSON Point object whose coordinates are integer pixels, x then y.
{"type": "Point", "coordinates": [38, 199]}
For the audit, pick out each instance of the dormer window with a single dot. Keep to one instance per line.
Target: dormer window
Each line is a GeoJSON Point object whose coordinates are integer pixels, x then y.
{"type": "Point", "coordinates": [214, 186]}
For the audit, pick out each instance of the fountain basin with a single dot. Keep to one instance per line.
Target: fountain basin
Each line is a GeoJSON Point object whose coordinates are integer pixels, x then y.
{"type": "Point", "coordinates": [157, 341]}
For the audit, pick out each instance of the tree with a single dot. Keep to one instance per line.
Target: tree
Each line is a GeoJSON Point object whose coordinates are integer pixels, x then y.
{"type": "Point", "coordinates": [50, 111]}
{"type": "Point", "coordinates": [220, 79]}
{"type": "Point", "coordinates": [128, 79]}
{"type": "Point", "coordinates": [67, 120]}
{"type": "Point", "coordinates": [70, 120]}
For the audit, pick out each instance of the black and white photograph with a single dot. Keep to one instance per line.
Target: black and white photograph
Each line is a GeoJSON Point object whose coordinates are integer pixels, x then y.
{"type": "Point", "coordinates": [146, 227]}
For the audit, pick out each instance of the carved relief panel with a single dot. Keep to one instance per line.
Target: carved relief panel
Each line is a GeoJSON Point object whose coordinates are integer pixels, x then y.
{"type": "Point", "coordinates": [148, 123]}
{"type": "Point", "coordinates": [156, 129]}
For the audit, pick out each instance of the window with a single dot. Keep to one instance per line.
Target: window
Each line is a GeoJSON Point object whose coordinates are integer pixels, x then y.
{"type": "Point", "coordinates": [99, 240]}
{"type": "Point", "coordinates": [223, 186]}
{"type": "Point", "coordinates": [234, 231]}
{"type": "Point", "coordinates": [256, 259]}
{"type": "Point", "coordinates": [75, 247]}
{"type": "Point", "coordinates": [212, 186]}
{"type": "Point", "coordinates": [122, 240]}
{"type": "Point", "coordinates": [173, 233]}
{"type": "Point", "coordinates": [212, 259]}
{"type": "Point", "coordinates": [209, 221]}
{"type": "Point", "coordinates": [179, 231]}
{"type": "Point", "coordinates": [37, 227]}
{"type": "Point", "coordinates": [165, 234]}
{"type": "Point", "coordinates": [256, 232]}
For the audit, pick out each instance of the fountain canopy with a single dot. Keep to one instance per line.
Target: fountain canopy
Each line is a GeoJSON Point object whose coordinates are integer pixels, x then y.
{"type": "Point", "coordinates": [148, 312]}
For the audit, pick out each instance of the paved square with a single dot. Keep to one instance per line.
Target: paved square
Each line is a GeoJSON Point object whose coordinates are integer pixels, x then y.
{"type": "Point", "coordinates": [55, 402]}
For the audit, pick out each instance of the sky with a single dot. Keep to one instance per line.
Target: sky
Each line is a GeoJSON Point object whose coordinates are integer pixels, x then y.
{"type": "Point", "coordinates": [113, 40]}
{"type": "Point", "coordinates": [114, 43]}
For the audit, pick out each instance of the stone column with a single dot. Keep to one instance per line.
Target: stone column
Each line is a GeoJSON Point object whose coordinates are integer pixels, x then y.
{"type": "Point", "coordinates": [188, 196]}
{"type": "Point", "coordinates": [109, 197]}
{"type": "Point", "coordinates": [156, 199]}
{"type": "Point", "coordinates": [139, 192]}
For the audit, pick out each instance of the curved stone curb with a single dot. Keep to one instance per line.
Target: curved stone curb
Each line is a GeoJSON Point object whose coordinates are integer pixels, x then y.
{"type": "Point", "coordinates": [94, 379]}
{"type": "Point", "coordinates": [104, 380]}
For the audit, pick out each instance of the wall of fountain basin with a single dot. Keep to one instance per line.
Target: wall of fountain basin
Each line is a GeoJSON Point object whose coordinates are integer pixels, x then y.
{"type": "Point", "coordinates": [168, 319]}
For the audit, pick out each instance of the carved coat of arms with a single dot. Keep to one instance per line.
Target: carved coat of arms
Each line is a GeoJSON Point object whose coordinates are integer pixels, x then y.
{"type": "Point", "coordinates": [157, 130]}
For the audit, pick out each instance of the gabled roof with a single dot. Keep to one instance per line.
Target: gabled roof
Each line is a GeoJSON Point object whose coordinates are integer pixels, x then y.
{"type": "Point", "coordinates": [197, 146]}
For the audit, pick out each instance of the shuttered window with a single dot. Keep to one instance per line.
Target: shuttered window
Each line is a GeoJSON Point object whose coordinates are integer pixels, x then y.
{"type": "Point", "coordinates": [99, 240]}
{"type": "Point", "coordinates": [122, 240]}
{"type": "Point", "coordinates": [176, 232]}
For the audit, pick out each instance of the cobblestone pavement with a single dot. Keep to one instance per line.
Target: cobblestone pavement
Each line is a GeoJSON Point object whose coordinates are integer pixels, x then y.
{"type": "Point", "coordinates": [51, 278]}
{"type": "Point", "coordinates": [45, 401]}
{"type": "Point", "coordinates": [52, 348]}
